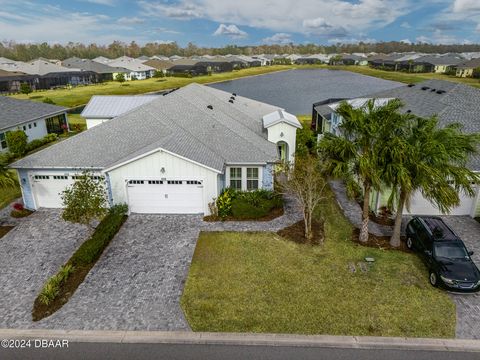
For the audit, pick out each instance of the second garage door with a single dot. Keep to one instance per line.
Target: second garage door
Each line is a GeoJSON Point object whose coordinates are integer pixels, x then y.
{"type": "Point", "coordinates": [165, 196]}
{"type": "Point", "coordinates": [421, 206]}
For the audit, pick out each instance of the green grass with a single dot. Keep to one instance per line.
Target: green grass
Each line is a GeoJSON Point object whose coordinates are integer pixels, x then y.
{"type": "Point", "coordinates": [76, 120]}
{"type": "Point", "coordinates": [260, 282]}
{"type": "Point", "coordinates": [8, 195]}
{"type": "Point", "coordinates": [81, 95]}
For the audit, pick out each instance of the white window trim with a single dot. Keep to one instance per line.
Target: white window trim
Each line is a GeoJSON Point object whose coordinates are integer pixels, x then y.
{"type": "Point", "coordinates": [244, 175]}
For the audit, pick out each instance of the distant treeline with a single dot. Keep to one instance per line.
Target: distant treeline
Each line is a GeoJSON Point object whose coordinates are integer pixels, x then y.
{"type": "Point", "coordinates": [25, 52]}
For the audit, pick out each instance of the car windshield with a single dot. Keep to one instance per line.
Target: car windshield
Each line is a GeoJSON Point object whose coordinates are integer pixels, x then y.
{"type": "Point", "coordinates": [450, 251]}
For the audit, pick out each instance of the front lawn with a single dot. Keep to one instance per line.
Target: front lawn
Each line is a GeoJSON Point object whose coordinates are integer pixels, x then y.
{"type": "Point", "coordinates": [260, 282]}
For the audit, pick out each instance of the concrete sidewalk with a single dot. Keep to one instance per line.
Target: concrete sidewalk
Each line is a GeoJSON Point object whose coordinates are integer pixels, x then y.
{"type": "Point", "coordinates": [247, 339]}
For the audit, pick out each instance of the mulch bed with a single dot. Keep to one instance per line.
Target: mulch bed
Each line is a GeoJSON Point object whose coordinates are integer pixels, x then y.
{"type": "Point", "coordinates": [274, 213]}
{"type": "Point", "coordinates": [4, 230]}
{"type": "Point", "coordinates": [379, 242]}
{"type": "Point", "coordinates": [67, 289]}
{"type": "Point", "coordinates": [296, 233]}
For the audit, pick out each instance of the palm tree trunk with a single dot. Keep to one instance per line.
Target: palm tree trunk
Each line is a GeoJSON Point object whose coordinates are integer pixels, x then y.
{"type": "Point", "coordinates": [365, 213]}
{"type": "Point", "coordinates": [395, 239]}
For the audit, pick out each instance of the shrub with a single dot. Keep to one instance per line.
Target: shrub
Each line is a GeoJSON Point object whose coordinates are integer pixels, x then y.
{"type": "Point", "coordinates": [120, 78]}
{"type": "Point", "coordinates": [224, 202]}
{"type": "Point", "coordinates": [47, 100]}
{"type": "Point", "coordinates": [243, 209]}
{"type": "Point", "coordinates": [50, 137]}
{"type": "Point", "coordinates": [52, 287]}
{"type": "Point", "coordinates": [20, 213]}
{"type": "Point", "coordinates": [25, 88]}
{"type": "Point", "coordinates": [17, 142]}
{"type": "Point", "coordinates": [159, 74]}
{"type": "Point", "coordinates": [18, 207]}
{"type": "Point", "coordinates": [91, 249]}
{"type": "Point", "coordinates": [36, 143]}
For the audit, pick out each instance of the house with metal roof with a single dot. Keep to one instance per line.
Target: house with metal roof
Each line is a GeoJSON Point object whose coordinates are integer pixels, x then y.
{"type": "Point", "coordinates": [450, 102]}
{"type": "Point", "coordinates": [102, 108]}
{"type": "Point", "coordinates": [36, 119]}
{"type": "Point", "coordinates": [173, 154]}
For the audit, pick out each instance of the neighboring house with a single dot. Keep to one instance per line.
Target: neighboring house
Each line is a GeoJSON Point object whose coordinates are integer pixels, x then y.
{"type": "Point", "coordinates": [36, 119]}
{"type": "Point", "coordinates": [352, 60]}
{"type": "Point", "coordinates": [104, 72]}
{"type": "Point", "coordinates": [174, 154]}
{"type": "Point", "coordinates": [451, 102]}
{"type": "Point", "coordinates": [10, 81]}
{"type": "Point", "coordinates": [104, 108]}
{"type": "Point", "coordinates": [440, 64]}
{"type": "Point", "coordinates": [466, 69]}
{"type": "Point", "coordinates": [200, 67]}
{"type": "Point", "coordinates": [313, 59]}
{"type": "Point", "coordinates": [159, 65]}
{"type": "Point", "coordinates": [137, 70]}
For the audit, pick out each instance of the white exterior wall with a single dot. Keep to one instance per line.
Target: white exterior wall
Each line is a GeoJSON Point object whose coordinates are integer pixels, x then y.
{"type": "Point", "coordinates": [289, 136]}
{"type": "Point", "coordinates": [149, 168]}
{"type": "Point", "coordinates": [94, 122]}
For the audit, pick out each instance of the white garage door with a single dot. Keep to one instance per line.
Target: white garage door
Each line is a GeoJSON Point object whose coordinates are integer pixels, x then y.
{"type": "Point", "coordinates": [47, 189]}
{"type": "Point", "coordinates": [165, 197]}
{"type": "Point", "coordinates": [420, 206]}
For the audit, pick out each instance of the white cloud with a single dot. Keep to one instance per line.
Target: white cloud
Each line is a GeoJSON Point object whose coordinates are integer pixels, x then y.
{"type": "Point", "coordinates": [230, 30]}
{"type": "Point", "coordinates": [101, 2]}
{"type": "Point", "coordinates": [405, 25]}
{"type": "Point", "coordinates": [278, 38]}
{"type": "Point", "coordinates": [423, 39]}
{"type": "Point", "coordinates": [478, 28]}
{"type": "Point", "coordinates": [130, 20]}
{"type": "Point", "coordinates": [406, 41]}
{"type": "Point", "coordinates": [351, 41]}
{"type": "Point", "coordinates": [440, 37]}
{"type": "Point", "coordinates": [318, 16]}
{"type": "Point", "coordinates": [461, 6]}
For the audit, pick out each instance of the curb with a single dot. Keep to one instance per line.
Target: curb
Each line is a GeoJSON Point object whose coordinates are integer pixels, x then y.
{"type": "Point", "coordinates": [247, 339]}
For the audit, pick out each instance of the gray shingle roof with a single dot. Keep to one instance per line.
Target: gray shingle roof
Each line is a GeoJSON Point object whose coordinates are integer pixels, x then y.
{"type": "Point", "coordinates": [458, 104]}
{"type": "Point", "coordinates": [109, 106]}
{"type": "Point", "coordinates": [90, 65]}
{"type": "Point", "coordinates": [15, 111]}
{"type": "Point", "coordinates": [179, 122]}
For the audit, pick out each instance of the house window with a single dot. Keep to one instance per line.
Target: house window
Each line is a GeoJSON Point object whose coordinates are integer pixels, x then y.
{"type": "Point", "coordinates": [252, 178]}
{"type": "Point", "coordinates": [24, 128]}
{"type": "Point", "coordinates": [34, 124]}
{"type": "Point", "coordinates": [29, 126]}
{"type": "Point", "coordinates": [236, 178]}
{"type": "Point", "coordinates": [3, 141]}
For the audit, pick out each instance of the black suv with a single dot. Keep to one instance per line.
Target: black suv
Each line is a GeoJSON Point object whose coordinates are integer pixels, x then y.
{"type": "Point", "coordinates": [448, 261]}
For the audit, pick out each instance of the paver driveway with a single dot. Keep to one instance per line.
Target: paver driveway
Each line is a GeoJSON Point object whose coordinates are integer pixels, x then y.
{"type": "Point", "coordinates": [137, 283]}
{"type": "Point", "coordinates": [468, 306]}
{"type": "Point", "coordinates": [29, 254]}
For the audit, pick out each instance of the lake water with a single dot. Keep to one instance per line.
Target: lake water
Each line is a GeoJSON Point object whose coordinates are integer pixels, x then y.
{"type": "Point", "coordinates": [297, 90]}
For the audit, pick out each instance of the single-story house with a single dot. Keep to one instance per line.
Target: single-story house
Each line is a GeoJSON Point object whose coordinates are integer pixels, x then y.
{"type": "Point", "coordinates": [103, 72]}
{"type": "Point", "coordinates": [160, 65]}
{"type": "Point", "coordinates": [103, 108]}
{"type": "Point", "coordinates": [137, 70]}
{"type": "Point", "coordinates": [36, 119]}
{"type": "Point", "coordinates": [451, 102]}
{"type": "Point", "coordinates": [467, 68]}
{"type": "Point", "coordinates": [441, 64]}
{"type": "Point", "coordinates": [174, 154]}
{"type": "Point", "coordinates": [200, 67]}
{"type": "Point", "coordinates": [10, 81]}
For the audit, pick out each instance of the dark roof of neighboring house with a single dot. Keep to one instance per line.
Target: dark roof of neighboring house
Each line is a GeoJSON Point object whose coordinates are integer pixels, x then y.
{"type": "Point", "coordinates": [471, 64]}
{"type": "Point", "coordinates": [180, 122]}
{"type": "Point", "coordinates": [14, 111]}
{"type": "Point", "coordinates": [10, 75]}
{"type": "Point", "coordinates": [159, 64]}
{"type": "Point", "coordinates": [456, 103]}
{"type": "Point", "coordinates": [90, 65]}
{"type": "Point", "coordinates": [439, 60]}
{"type": "Point", "coordinates": [353, 57]}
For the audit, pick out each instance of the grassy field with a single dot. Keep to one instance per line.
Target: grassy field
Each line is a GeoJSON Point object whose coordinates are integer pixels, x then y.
{"type": "Point", "coordinates": [260, 282]}
{"type": "Point", "coordinates": [81, 95]}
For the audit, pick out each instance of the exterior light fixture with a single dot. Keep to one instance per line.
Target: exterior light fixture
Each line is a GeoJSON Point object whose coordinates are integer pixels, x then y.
{"type": "Point", "coordinates": [162, 170]}
{"type": "Point", "coordinates": [282, 134]}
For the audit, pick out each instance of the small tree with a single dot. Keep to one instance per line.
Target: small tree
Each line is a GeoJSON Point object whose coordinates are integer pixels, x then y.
{"type": "Point", "coordinates": [17, 142]}
{"type": "Point", "coordinates": [120, 77]}
{"type": "Point", "coordinates": [158, 74]}
{"type": "Point", "coordinates": [307, 184]}
{"type": "Point", "coordinates": [85, 200]}
{"type": "Point", "coordinates": [25, 88]}
{"type": "Point", "coordinates": [8, 178]}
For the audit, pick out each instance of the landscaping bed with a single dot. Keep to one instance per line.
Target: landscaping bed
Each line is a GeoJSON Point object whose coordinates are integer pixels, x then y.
{"type": "Point", "coordinates": [263, 283]}
{"type": "Point", "coordinates": [379, 242]}
{"type": "Point", "coordinates": [296, 232]}
{"type": "Point", "coordinates": [4, 230]}
{"type": "Point", "coordinates": [234, 205]}
{"type": "Point", "coordinates": [60, 288]}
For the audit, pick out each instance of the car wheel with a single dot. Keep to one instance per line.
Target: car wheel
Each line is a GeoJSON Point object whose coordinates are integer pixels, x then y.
{"type": "Point", "coordinates": [409, 243]}
{"type": "Point", "coordinates": [433, 278]}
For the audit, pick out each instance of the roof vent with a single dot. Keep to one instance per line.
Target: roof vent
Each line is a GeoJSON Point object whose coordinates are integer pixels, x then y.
{"type": "Point", "coordinates": [411, 85]}
{"type": "Point", "coordinates": [409, 111]}
{"type": "Point", "coordinates": [425, 88]}
{"type": "Point", "coordinates": [441, 91]}
{"type": "Point", "coordinates": [433, 90]}
{"type": "Point", "coordinates": [210, 107]}
{"type": "Point", "coordinates": [234, 94]}
{"type": "Point", "coordinates": [230, 101]}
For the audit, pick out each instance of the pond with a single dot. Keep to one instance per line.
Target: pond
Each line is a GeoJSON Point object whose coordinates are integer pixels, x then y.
{"type": "Point", "coordinates": [296, 90]}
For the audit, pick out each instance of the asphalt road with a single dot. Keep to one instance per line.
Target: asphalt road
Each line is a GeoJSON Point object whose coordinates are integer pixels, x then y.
{"type": "Point", "coordinates": [116, 351]}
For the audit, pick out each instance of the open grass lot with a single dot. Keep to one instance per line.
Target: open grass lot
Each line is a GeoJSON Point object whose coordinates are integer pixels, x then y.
{"type": "Point", "coordinates": [259, 282]}
{"type": "Point", "coordinates": [81, 95]}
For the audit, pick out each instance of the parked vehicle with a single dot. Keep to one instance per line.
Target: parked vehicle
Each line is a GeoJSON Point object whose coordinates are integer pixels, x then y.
{"type": "Point", "coordinates": [448, 260]}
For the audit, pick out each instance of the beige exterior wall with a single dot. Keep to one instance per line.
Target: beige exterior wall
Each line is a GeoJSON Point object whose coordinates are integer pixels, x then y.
{"type": "Point", "coordinates": [464, 72]}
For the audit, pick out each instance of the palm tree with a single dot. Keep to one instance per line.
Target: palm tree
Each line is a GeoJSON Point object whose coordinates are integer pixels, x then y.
{"type": "Point", "coordinates": [8, 179]}
{"type": "Point", "coordinates": [354, 154]}
{"type": "Point", "coordinates": [423, 157]}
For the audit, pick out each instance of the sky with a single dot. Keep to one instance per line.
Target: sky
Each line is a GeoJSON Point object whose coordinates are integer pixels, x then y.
{"type": "Point", "coordinates": [242, 22]}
